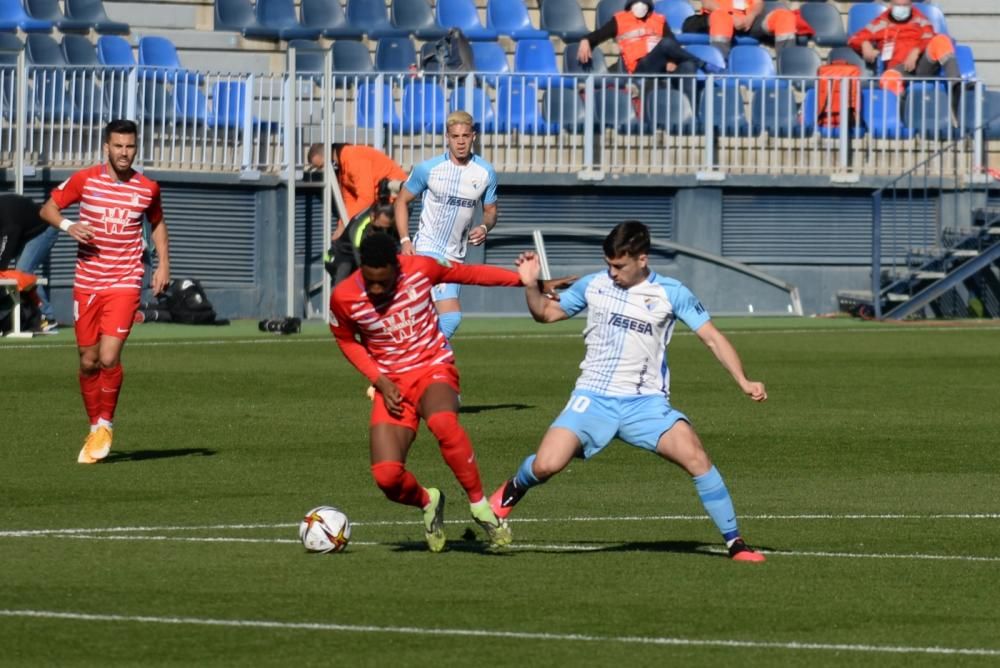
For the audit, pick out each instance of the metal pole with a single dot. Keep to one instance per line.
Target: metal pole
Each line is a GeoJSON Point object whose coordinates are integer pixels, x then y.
{"type": "Point", "coordinates": [326, 137]}
{"type": "Point", "coordinates": [845, 122]}
{"type": "Point", "coordinates": [291, 130]}
{"type": "Point", "coordinates": [543, 258]}
{"type": "Point", "coordinates": [588, 124]}
{"type": "Point", "coordinates": [876, 253]}
{"type": "Point", "coordinates": [709, 94]}
{"type": "Point", "coordinates": [22, 120]}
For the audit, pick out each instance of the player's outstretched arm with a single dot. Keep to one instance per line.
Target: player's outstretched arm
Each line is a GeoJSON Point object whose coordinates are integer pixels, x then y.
{"type": "Point", "coordinates": [730, 359]}
{"type": "Point", "coordinates": [541, 306]}
{"type": "Point", "coordinates": [478, 274]}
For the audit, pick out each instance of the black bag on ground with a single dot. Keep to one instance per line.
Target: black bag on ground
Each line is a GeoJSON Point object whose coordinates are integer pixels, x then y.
{"type": "Point", "coordinates": [188, 304]}
{"type": "Point", "coordinates": [451, 53]}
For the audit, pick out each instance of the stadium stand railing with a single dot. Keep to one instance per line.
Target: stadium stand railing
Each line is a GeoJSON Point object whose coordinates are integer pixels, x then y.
{"type": "Point", "coordinates": [558, 122]}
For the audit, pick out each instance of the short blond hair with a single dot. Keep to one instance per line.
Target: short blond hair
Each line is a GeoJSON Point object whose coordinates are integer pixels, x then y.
{"type": "Point", "coordinates": [460, 118]}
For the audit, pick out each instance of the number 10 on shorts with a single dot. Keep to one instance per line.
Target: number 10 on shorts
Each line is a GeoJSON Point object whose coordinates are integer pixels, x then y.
{"type": "Point", "coordinates": [578, 403]}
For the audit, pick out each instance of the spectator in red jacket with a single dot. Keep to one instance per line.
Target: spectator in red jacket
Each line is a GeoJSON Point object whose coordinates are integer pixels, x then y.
{"type": "Point", "coordinates": [906, 42]}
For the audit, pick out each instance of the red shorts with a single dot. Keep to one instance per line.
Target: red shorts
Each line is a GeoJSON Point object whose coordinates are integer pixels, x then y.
{"type": "Point", "coordinates": [104, 313]}
{"type": "Point", "coordinates": [412, 385]}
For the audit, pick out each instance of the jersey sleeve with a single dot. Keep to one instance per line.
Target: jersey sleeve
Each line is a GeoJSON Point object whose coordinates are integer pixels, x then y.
{"type": "Point", "coordinates": [486, 275]}
{"type": "Point", "coordinates": [71, 190]}
{"type": "Point", "coordinates": [154, 212]}
{"type": "Point", "coordinates": [490, 196]}
{"type": "Point", "coordinates": [574, 299]}
{"type": "Point", "coordinates": [688, 308]}
{"type": "Point", "coordinates": [417, 183]}
{"type": "Point", "coordinates": [345, 332]}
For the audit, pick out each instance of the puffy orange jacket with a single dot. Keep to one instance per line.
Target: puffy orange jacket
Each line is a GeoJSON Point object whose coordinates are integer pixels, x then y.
{"type": "Point", "coordinates": [917, 32]}
{"type": "Point", "coordinates": [361, 168]}
{"type": "Point", "coordinates": [637, 37]}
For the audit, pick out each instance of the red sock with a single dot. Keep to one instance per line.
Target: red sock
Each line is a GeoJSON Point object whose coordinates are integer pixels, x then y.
{"type": "Point", "coordinates": [456, 448]}
{"type": "Point", "coordinates": [399, 485]}
{"type": "Point", "coordinates": [111, 385]}
{"type": "Point", "coordinates": [90, 388]}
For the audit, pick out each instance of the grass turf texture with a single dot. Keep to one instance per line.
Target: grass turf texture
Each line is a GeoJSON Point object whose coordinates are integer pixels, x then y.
{"type": "Point", "coordinates": [226, 426]}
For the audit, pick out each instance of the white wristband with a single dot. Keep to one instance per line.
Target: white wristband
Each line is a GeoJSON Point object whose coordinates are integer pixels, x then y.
{"type": "Point", "coordinates": [404, 240]}
{"type": "Point", "coordinates": [65, 224]}
{"type": "Point", "coordinates": [486, 230]}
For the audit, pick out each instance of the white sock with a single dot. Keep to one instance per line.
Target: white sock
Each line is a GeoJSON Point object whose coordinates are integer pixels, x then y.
{"type": "Point", "coordinates": [93, 428]}
{"type": "Point", "coordinates": [101, 422]}
{"type": "Point", "coordinates": [729, 543]}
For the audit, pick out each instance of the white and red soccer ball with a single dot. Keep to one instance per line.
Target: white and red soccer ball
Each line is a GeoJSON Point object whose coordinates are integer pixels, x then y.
{"type": "Point", "coordinates": [325, 529]}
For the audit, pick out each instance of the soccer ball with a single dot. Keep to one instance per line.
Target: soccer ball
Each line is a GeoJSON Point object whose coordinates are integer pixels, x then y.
{"type": "Point", "coordinates": [325, 529]}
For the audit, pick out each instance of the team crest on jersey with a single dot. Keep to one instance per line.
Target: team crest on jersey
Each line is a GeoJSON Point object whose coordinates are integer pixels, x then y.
{"type": "Point", "coordinates": [411, 293]}
{"type": "Point", "coordinates": [650, 303]}
{"type": "Point", "coordinates": [400, 326]}
{"type": "Point", "coordinates": [115, 219]}
{"type": "Point", "coordinates": [135, 199]}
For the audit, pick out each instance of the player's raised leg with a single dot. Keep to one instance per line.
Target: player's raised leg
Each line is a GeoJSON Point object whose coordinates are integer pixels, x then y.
{"type": "Point", "coordinates": [390, 443]}
{"type": "Point", "coordinates": [681, 445]}
{"type": "Point", "coordinates": [439, 407]}
{"type": "Point", "coordinates": [557, 449]}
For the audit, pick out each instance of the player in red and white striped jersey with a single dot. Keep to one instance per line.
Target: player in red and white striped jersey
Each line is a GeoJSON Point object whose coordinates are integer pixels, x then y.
{"type": "Point", "coordinates": [113, 199]}
{"type": "Point", "coordinates": [386, 325]}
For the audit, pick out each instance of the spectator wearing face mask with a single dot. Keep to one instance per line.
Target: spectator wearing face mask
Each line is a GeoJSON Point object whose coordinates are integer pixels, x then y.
{"type": "Point", "coordinates": [646, 43]}
{"type": "Point", "coordinates": [904, 39]}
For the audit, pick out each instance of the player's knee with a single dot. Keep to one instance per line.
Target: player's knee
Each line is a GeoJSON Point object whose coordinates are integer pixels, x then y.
{"type": "Point", "coordinates": [388, 476]}
{"type": "Point", "coordinates": [546, 466]}
{"type": "Point", "coordinates": [109, 361]}
{"type": "Point", "coordinates": [449, 323]}
{"type": "Point", "coordinates": [940, 48]}
{"type": "Point", "coordinates": [443, 424]}
{"type": "Point", "coordinates": [892, 81]}
{"type": "Point", "coordinates": [89, 363]}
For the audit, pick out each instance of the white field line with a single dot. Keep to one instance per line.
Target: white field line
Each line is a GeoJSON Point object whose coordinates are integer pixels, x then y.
{"type": "Point", "coordinates": [506, 635]}
{"type": "Point", "coordinates": [20, 533]}
{"type": "Point", "coordinates": [554, 335]}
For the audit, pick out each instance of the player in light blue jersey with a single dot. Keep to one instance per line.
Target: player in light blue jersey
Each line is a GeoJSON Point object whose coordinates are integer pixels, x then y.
{"type": "Point", "coordinates": [623, 389]}
{"type": "Point", "coordinates": [451, 185]}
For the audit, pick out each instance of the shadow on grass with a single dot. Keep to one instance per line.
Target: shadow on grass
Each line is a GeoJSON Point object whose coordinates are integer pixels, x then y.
{"type": "Point", "coordinates": [484, 408]}
{"type": "Point", "coordinates": [118, 456]}
{"type": "Point", "coordinates": [471, 545]}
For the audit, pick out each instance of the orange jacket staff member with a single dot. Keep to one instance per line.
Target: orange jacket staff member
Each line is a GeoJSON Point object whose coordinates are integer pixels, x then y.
{"type": "Point", "coordinates": [646, 43]}
{"type": "Point", "coordinates": [722, 19]}
{"type": "Point", "coordinates": [905, 41]}
{"type": "Point", "coordinates": [359, 170]}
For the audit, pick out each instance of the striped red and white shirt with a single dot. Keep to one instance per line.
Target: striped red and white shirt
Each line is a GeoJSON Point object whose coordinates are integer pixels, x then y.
{"type": "Point", "coordinates": [402, 335]}
{"type": "Point", "coordinates": [114, 210]}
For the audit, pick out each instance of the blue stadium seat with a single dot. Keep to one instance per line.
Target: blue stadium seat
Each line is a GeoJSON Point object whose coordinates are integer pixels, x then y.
{"type": "Point", "coordinates": [13, 16]}
{"type": "Point", "coordinates": [861, 14]}
{"type": "Point", "coordinates": [423, 107]}
{"type": "Point", "coordinates": [43, 50]}
{"type": "Point", "coordinates": [966, 61]}
{"type": "Point", "coordinates": [774, 108]}
{"type": "Point", "coordinates": [395, 54]}
{"type": "Point", "coordinates": [597, 64]}
{"type": "Point", "coordinates": [709, 54]}
{"type": "Point", "coordinates": [48, 10]}
{"type": "Point", "coordinates": [51, 101]}
{"type": "Point", "coordinates": [752, 64]}
{"type": "Point", "coordinates": [677, 11]}
{"type": "Point", "coordinates": [369, 16]}
{"type": "Point", "coordinates": [510, 18]}
{"type": "Point", "coordinates": [934, 15]}
{"type": "Point", "coordinates": [517, 108]}
{"type": "Point", "coordinates": [236, 15]}
{"type": "Point", "coordinates": [190, 105]}
{"type": "Point", "coordinates": [351, 57]}
{"type": "Point", "coordinates": [536, 56]}
{"type": "Point", "coordinates": [462, 14]}
{"type": "Point", "coordinates": [671, 110]}
{"type": "Point", "coordinates": [328, 17]}
{"type": "Point", "coordinates": [563, 18]}
{"type": "Point", "coordinates": [93, 12]}
{"type": "Point", "coordinates": [155, 101]}
{"type": "Point", "coordinates": [9, 46]}
{"type": "Point", "coordinates": [159, 56]}
{"type": "Point", "coordinates": [277, 18]}
{"type": "Point", "coordinates": [799, 61]}
{"type": "Point", "coordinates": [229, 105]}
{"type": "Point", "coordinates": [613, 108]}
{"type": "Point", "coordinates": [563, 108]}
{"type": "Point", "coordinates": [78, 50]}
{"type": "Point", "coordinates": [728, 118]}
{"type": "Point", "coordinates": [417, 18]}
{"type": "Point", "coordinates": [606, 10]}
{"type": "Point", "coordinates": [364, 106]}
{"type": "Point", "coordinates": [490, 59]}
{"type": "Point", "coordinates": [928, 110]}
{"type": "Point", "coordinates": [826, 21]}
{"type": "Point", "coordinates": [851, 56]}
{"type": "Point", "coordinates": [309, 59]}
{"type": "Point", "coordinates": [114, 51]}
{"type": "Point", "coordinates": [481, 106]}
{"type": "Point", "coordinates": [880, 112]}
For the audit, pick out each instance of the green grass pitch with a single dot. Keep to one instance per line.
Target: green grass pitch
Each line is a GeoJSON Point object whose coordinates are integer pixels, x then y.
{"type": "Point", "coordinates": [871, 474]}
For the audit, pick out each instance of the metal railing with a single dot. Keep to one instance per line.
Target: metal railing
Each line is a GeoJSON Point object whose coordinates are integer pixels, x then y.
{"type": "Point", "coordinates": [583, 124]}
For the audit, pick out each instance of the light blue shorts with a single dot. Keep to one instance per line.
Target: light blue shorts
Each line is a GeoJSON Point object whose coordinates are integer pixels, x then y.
{"type": "Point", "coordinates": [443, 291]}
{"type": "Point", "coordinates": [596, 419]}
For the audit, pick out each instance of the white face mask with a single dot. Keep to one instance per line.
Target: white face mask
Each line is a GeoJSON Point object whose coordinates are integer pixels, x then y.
{"type": "Point", "coordinates": [901, 12]}
{"type": "Point", "coordinates": [639, 10]}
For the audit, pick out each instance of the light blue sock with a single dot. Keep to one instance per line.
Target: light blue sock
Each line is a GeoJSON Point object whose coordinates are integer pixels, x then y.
{"type": "Point", "coordinates": [449, 322]}
{"type": "Point", "coordinates": [525, 477]}
{"type": "Point", "coordinates": [715, 497]}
